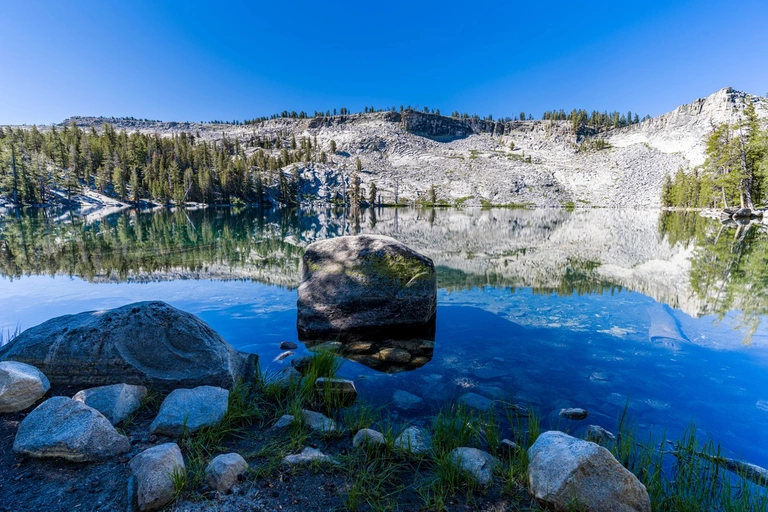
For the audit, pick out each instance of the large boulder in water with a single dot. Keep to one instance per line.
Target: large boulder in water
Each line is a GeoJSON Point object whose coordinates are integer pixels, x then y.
{"type": "Point", "coordinates": [146, 343]}
{"type": "Point", "coordinates": [365, 284]}
{"type": "Point", "coordinates": [567, 473]}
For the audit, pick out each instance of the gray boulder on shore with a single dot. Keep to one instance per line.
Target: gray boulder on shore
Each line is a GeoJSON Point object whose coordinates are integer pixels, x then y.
{"type": "Point", "coordinates": [154, 469]}
{"type": "Point", "coordinates": [64, 428]}
{"type": "Point", "coordinates": [115, 402]}
{"type": "Point", "coordinates": [477, 464]}
{"type": "Point", "coordinates": [565, 472]}
{"type": "Point", "coordinates": [146, 343]}
{"type": "Point", "coordinates": [364, 283]}
{"type": "Point", "coordinates": [192, 409]}
{"type": "Point", "coordinates": [21, 385]}
{"type": "Point", "coordinates": [225, 471]}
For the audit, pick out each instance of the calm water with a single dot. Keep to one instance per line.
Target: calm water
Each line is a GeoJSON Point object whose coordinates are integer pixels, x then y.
{"type": "Point", "coordinates": [548, 308]}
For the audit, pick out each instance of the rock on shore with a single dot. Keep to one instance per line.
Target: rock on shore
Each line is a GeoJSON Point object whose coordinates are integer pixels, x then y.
{"type": "Point", "coordinates": [21, 385]}
{"type": "Point", "coordinates": [146, 343]}
{"type": "Point", "coordinates": [64, 428]}
{"type": "Point", "coordinates": [565, 471]}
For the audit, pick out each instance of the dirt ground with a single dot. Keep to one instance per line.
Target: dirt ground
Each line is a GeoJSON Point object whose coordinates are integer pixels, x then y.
{"type": "Point", "coordinates": [28, 484]}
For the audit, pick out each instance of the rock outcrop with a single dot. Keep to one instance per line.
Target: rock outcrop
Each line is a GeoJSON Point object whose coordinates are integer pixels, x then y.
{"type": "Point", "coordinates": [565, 472]}
{"type": "Point", "coordinates": [154, 470]}
{"type": "Point", "coordinates": [115, 402]}
{"type": "Point", "coordinates": [367, 284]}
{"type": "Point", "coordinates": [146, 343]}
{"type": "Point", "coordinates": [21, 385]}
{"type": "Point", "coordinates": [67, 429]}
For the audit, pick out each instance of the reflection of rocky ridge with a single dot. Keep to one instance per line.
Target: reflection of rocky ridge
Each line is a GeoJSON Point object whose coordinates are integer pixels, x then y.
{"type": "Point", "coordinates": [547, 249]}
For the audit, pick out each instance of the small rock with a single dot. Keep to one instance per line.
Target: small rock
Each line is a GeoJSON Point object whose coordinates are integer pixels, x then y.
{"type": "Point", "coordinates": [598, 434]}
{"type": "Point", "coordinates": [190, 408]}
{"type": "Point", "coordinates": [476, 463]}
{"type": "Point", "coordinates": [475, 401]}
{"type": "Point", "coordinates": [115, 402]}
{"type": "Point", "coordinates": [574, 413]}
{"type": "Point", "coordinates": [288, 345]}
{"type": "Point", "coordinates": [413, 440]}
{"type": "Point", "coordinates": [153, 469]}
{"type": "Point", "coordinates": [285, 420]}
{"type": "Point", "coordinates": [307, 455]}
{"type": "Point", "coordinates": [225, 471]}
{"type": "Point", "coordinates": [343, 391]}
{"type": "Point", "coordinates": [21, 385]}
{"type": "Point", "coordinates": [318, 422]}
{"type": "Point", "coordinates": [301, 363]}
{"type": "Point", "coordinates": [286, 377]}
{"type": "Point", "coordinates": [314, 421]}
{"type": "Point", "coordinates": [282, 356]}
{"type": "Point", "coordinates": [64, 428]}
{"type": "Point", "coordinates": [368, 437]}
{"type": "Point", "coordinates": [406, 401]}
{"type": "Point", "coordinates": [508, 446]}
{"type": "Point", "coordinates": [564, 470]}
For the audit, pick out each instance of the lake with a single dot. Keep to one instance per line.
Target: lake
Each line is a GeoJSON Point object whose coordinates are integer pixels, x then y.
{"type": "Point", "coordinates": [662, 313]}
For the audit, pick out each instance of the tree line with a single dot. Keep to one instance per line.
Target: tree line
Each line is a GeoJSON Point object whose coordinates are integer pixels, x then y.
{"type": "Point", "coordinates": [35, 166]}
{"type": "Point", "coordinates": [734, 172]}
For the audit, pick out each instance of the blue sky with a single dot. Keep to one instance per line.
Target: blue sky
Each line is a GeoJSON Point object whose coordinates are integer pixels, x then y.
{"type": "Point", "coordinates": [234, 60]}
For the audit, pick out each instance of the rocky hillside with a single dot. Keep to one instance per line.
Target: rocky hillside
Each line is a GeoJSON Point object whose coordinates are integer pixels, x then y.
{"type": "Point", "coordinates": [475, 162]}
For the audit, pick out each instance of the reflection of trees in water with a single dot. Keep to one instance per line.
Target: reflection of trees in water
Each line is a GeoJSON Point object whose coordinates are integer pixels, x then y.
{"type": "Point", "coordinates": [34, 243]}
{"type": "Point", "coordinates": [729, 267]}
{"type": "Point", "coordinates": [267, 245]}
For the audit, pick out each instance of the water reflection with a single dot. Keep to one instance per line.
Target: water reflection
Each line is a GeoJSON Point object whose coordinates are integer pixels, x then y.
{"type": "Point", "coordinates": [685, 261]}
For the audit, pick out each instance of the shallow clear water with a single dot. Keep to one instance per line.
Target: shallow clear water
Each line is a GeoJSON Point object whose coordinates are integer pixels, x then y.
{"type": "Point", "coordinates": [546, 308]}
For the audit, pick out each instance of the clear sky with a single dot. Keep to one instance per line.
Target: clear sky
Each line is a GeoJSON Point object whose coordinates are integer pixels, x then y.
{"type": "Point", "coordinates": [202, 60]}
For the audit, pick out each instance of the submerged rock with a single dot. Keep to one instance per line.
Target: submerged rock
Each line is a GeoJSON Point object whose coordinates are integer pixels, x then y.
{"type": "Point", "coordinates": [365, 283]}
{"type": "Point", "coordinates": [21, 385]}
{"type": "Point", "coordinates": [475, 401]}
{"type": "Point", "coordinates": [64, 428]}
{"type": "Point", "coordinates": [574, 413]}
{"type": "Point", "coordinates": [146, 343]}
{"type": "Point", "coordinates": [154, 469]}
{"type": "Point", "coordinates": [406, 401]}
{"type": "Point", "coordinates": [191, 409]}
{"type": "Point", "coordinates": [115, 402]}
{"type": "Point", "coordinates": [479, 465]}
{"type": "Point", "coordinates": [224, 471]}
{"type": "Point", "coordinates": [665, 330]}
{"type": "Point", "coordinates": [565, 472]}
